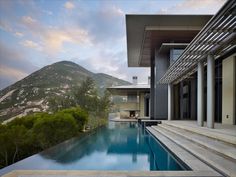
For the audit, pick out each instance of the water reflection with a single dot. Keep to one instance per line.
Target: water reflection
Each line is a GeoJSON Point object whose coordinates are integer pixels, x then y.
{"type": "Point", "coordinates": [117, 139]}
{"type": "Point", "coordinates": [119, 146]}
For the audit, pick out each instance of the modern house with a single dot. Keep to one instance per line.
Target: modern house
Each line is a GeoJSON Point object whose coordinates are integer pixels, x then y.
{"type": "Point", "coordinates": [137, 99]}
{"type": "Point", "coordinates": [192, 59]}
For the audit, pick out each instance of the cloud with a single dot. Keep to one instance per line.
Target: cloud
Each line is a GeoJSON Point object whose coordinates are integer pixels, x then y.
{"type": "Point", "coordinates": [106, 24]}
{"type": "Point", "coordinates": [47, 12]}
{"type": "Point", "coordinates": [5, 26]}
{"type": "Point", "coordinates": [19, 34]}
{"type": "Point", "coordinates": [14, 65]}
{"type": "Point", "coordinates": [51, 39]}
{"type": "Point", "coordinates": [113, 63]}
{"type": "Point", "coordinates": [194, 7]}
{"type": "Point", "coordinates": [28, 20]}
{"type": "Point", "coordinates": [54, 39]}
{"type": "Point", "coordinates": [69, 5]}
{"type": "Point", "coordinates": [13, 73]}
{"type": "Point", "coordinates": [112, 11]}
{"type": "Point", "coordinates": [31, 44]}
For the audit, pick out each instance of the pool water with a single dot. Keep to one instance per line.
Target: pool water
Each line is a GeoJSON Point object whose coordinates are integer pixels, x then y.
{"type": "Point", "coordinates": [118, 146]}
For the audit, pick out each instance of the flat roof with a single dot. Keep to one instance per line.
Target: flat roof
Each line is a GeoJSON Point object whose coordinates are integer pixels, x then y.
{"type": "Point", "coordinates": [147, 32]}
{"type": "Point", "coordinates": [129, 89]}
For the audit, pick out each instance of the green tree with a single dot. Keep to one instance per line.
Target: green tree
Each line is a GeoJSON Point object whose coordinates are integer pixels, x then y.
{"type": "Point", "coordinates": [104, 105]}
{"type": "Point", "coordinates": [79, 114]}
{"type": "Point", "coordinates": [5, 146]}
{"type": "Point", "coordinates": [86, 96]}
{"type": "Point", "coordinates": [57, 103]}
{"type": "Point", "coordinates": [12, 141]}
{"type": "Point", "coordinates": [53, 129]}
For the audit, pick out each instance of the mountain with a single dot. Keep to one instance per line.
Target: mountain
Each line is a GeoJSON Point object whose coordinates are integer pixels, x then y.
{"type": "Point", "coordinates": [32, 93]}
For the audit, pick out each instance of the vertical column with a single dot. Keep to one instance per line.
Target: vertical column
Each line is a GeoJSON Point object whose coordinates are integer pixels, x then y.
{"type": "Point", "coordinates": [181, 107]}
{"type": "Point", "coordinates": [152, 90]}
{"type": "Point", "coordinates": [200, 94]}
{"type": "Point", "coordinates": [210, 91]}
{"type": "Point", "coordinates": [149, 106]}
{"type": "Point", "coordinates": [161, 90]}
{"type": "Point", "coordinates": [170, 102]}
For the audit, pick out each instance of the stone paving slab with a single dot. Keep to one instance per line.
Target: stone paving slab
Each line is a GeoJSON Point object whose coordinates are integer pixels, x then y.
{"type": "Point", "coordinates": [123, 120]}
{"type": "Point", "coordinates": [220, 147]}
{"type": "Point", "coordinates": [229, 137]}
{"type": "Point", "coordinates": [220, 163]}
{"type": "Point", "coordinates": [77, 173]}
{"type": "Point", "coordinates": [194, 163]}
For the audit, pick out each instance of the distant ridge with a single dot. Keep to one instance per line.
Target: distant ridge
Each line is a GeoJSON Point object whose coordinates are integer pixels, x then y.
{"type": "Point", "coordinates": [32, 93]}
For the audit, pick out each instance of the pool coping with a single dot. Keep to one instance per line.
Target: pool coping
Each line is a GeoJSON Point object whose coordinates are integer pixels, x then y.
{"type": "Point", "coordinates": [82, 173]}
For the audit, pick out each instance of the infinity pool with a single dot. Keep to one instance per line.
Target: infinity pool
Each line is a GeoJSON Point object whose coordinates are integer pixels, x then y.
{"type": "Point", "coordinates": [118, 146]}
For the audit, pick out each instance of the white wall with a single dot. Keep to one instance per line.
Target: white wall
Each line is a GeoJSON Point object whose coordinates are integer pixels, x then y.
{"type": "Point", "coordinates": [228, 90]}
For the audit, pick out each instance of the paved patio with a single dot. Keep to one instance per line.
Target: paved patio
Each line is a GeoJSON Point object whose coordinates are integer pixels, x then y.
{"type": "Point", "coordinates": [221, 132]}
{"type": "Point", "coordinates": [216, 148]}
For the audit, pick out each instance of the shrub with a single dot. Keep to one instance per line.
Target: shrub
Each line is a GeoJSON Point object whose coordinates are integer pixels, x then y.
{"type": "Point", "coordinates": [27, 121]}
{"type": "Point", "coordinates": [13, 141]}
{"type": "Point", "coordinates": [53, 129]}
{"type": "Point", "coordinates": [79, 114]}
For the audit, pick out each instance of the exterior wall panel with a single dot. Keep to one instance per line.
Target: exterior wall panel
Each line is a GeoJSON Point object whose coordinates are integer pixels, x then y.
{"type": "Point", "coordinates": [228, 90]}
{"type": "Point", "coordinates": [141, 104]}
{"type": "Point", "coordinates": [161, 90]}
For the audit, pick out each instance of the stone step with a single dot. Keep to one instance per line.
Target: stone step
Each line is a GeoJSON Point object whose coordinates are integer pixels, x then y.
{"type": "Point", "coordinates": [223, 148]}
{"type": "Point", "coordinates": [211, 133]}
{"type": "Point", "coordinates": [190, 160]}
{"type": "Point", "coordinates": [219, 163]}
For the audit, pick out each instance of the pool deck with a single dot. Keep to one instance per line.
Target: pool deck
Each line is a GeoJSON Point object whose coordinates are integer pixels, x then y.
{"type": "Point", "coordinates": [216, 148]}
{"type": "Point", "coordinates": [123, 120]}
{"type": "Point", "coordinates": [76, 173]}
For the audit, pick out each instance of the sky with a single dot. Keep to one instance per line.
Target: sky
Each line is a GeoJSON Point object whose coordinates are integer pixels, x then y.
{"type": "Point", "coordinates": [91, 33]}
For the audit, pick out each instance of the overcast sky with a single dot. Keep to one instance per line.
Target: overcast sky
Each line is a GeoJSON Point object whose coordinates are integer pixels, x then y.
{"type": "Point", "coordinates": [90, 33]}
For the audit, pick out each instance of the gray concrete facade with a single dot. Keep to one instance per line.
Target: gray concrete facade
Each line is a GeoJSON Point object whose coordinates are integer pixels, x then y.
{"type": "Point", "coordinates": [161, 90]}
{"type": "Point", "coordinates": [152, 89]}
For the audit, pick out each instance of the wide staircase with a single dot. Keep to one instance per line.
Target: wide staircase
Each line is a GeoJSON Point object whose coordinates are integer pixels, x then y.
{"type": "Point", "coordinates": [216, 150]}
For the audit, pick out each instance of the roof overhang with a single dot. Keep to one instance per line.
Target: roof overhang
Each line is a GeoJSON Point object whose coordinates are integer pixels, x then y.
{"type": "Point", "coordinates": [145, 33]}
{"type": "Point", "coordinates": [217, 38]}
{"type": "Point", "coordinates": [166, 47]}
{"type": "Point", "coordinates": [129, 89]}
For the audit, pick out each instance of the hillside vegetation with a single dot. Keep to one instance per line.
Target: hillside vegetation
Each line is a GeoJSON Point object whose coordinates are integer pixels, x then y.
{"type": "Point", "coordinates": [33, 133]}
{"type": "Point", "coordinates": [25, 136]}
{"type": "Point", "coordinates": [40, 91]}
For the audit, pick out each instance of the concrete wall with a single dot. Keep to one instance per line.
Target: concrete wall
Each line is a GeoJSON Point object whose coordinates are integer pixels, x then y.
{"type": "Point", "coordinates": [228, 90]}
{"type": "Point", "coordinates": [152, 89]}
{"type": "Point", "coordinates": [193, 98]}
{"type": "Point", "coordinates": [124, 107]}
{"type": "Point", "coordinates": [141, 104]}
{"type": "Point", "coordinates": [161, 90]}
